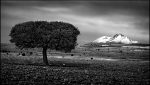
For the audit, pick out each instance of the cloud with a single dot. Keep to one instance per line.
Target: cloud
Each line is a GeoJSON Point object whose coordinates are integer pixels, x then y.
{"type": "Point", "coordinates": [96, 18]}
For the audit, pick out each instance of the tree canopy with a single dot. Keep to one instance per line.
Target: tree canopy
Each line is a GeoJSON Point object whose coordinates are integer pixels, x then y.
{"type": "Point", "coordinates": [53, 35]}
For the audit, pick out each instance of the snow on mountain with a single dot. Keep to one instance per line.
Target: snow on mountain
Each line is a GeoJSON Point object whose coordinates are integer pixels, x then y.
{"type": "Point", "coordinates": [118, 38]}
{"type": "Point", "coordinates": [102, 39]}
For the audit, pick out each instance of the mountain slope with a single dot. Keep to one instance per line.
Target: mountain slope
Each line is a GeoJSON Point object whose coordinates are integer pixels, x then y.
{"type": "Point", "coordinates": [102, 39]}
{"type": "Point", "coordinates": [118, 38]}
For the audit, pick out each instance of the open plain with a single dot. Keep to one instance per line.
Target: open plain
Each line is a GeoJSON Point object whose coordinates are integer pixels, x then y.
{"type": "Point", "coordinates": [86, 67]}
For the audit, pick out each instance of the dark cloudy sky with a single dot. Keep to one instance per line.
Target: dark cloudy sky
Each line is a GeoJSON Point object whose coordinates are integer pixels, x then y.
{"type": "Point", "coordinates": [94, 18]}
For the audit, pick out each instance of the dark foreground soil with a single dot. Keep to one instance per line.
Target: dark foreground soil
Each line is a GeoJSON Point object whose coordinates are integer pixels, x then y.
{"type": "Point", "coordinates": [96, 73]}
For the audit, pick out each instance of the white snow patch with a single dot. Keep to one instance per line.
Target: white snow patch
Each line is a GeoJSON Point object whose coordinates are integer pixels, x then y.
{"type": "Point", "coordinates": [118, 38]}
{"type": "Point", "coordinates": [102, 39]}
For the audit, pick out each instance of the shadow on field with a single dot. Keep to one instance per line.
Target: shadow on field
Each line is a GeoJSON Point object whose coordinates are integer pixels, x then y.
{"type": "Point", "coordinates": [54, 64]}
{"type": "Point", "coordinates": [68, 64]}
{"type": "Point", "coordinates": [38, 61]}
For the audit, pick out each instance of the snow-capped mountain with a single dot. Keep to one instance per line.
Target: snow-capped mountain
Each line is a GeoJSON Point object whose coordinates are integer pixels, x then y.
{"type": "Point", "coordinates": [102, 39]}
{"type": "Point", "coordinates": [118, 38]}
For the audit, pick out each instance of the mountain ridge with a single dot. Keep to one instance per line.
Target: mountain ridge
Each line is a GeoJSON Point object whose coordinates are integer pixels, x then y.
{"type": "Point", "coordinates": [117, 38]}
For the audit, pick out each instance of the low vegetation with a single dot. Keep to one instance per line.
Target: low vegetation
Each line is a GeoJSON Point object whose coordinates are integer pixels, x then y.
{"type": "Point", "coordinates": [132, 69]}
{"type": "Point", "coordinates": [18, 70]}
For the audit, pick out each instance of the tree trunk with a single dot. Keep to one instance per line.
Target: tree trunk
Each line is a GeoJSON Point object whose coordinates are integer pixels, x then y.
{"type": "Point", "coordinates": [45, 56]}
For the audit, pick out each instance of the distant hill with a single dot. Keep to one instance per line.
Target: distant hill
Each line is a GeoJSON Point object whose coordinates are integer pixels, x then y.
{"type": "Point", "coordinates": [117, 38]}
{"type": "Point", "coordinates": [7, 47]}
{"type": "Point", "coordinates": [10, 47]}
{"type": "Point", "coordinates": [91, 44]}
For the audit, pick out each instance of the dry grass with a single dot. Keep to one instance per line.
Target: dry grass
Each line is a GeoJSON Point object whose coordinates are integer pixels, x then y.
{"type": "Point", "coordinates": [18, 70]}
{"type": "Point", "coordinates": [30, 70]}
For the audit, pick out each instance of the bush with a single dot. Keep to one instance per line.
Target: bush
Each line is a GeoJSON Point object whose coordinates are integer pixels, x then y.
{"type": "Point", "coordinates": [23, 54]}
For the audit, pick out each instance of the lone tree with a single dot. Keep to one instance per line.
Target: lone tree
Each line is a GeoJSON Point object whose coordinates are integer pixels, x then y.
{"type": "Point", "coordinates": [47, 35]}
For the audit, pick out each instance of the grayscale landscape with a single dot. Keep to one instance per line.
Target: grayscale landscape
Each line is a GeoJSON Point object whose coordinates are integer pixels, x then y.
{"type": "Point", "coordinates": [79, 42]}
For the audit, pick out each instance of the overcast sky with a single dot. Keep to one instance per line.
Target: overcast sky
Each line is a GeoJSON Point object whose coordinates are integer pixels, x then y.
{"type": "Point", "coordinates": [93, 18]}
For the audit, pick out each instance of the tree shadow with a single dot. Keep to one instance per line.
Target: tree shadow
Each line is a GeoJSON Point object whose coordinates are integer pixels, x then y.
{"type": "Point", "coordinates": [68, 64]}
